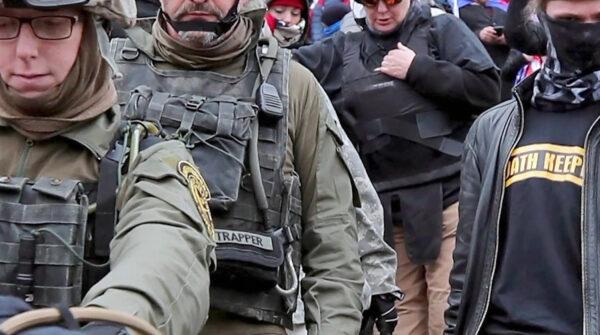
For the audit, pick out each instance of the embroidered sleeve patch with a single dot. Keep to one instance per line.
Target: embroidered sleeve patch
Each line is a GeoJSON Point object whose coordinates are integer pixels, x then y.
{"type": "Point", "coordinates": [200, 193]}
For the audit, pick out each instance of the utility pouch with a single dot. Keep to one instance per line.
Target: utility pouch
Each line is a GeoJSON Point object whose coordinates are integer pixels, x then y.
{"type": "Point", "coordinates": [260, 261]}
{"type": "Point", "coordinates": [42, 230]}
{"type": "Point", "coordinates": [248, 260]}
{"type": "Point", "coordinates": [216, 130]}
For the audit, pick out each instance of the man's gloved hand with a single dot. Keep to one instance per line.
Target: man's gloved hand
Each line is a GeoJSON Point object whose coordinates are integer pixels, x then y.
{"type": "Point", "coordinates": [383, 313]}
{"type": "Point", "coordinates": [11, 306]}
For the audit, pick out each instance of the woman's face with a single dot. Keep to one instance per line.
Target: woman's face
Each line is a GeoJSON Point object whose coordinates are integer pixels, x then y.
{"type": "Point", "coordinates": [290, 15]}
{"type": "Point", "coordinates": [384, 18]}
{"type": "Point", "coordinates": [32, 66]}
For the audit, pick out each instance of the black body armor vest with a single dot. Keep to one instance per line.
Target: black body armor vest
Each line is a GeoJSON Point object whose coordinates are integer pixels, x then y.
{"type": "Point", "coordinates": [236, 130]}
{"type": "Point", "coordinates": [405, 128]}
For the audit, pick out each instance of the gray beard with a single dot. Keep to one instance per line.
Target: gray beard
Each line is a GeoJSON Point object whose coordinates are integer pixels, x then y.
{"type": "Point", "coordinates": [198, 39]}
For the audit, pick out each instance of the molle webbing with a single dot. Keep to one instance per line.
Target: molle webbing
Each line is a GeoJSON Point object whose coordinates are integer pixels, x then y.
{"type": "Point", "coordinates": [216, 116]}
{"type": "Point", "coordinates": [37, 219]}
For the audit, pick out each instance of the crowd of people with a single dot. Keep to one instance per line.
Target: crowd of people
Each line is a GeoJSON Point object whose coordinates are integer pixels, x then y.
{"type": "Point", "coordinates": [359, 167]}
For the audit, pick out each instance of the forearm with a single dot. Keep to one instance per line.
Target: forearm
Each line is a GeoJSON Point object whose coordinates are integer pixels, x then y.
{"type": "Point", "coordinates": [378, 259]}
{"type": "Point", "coordinates": [323, 60]}
{"type": "Point", "coordinates": [448, 83]}
{"type": "Point", "coordinates": [334, 280]}
{"type": "Point", "coordinates": [160, 256]}
{"type": "Point", "coordinates": [468, 201]}
{"type": "Point", "coordinates": [155, 277]}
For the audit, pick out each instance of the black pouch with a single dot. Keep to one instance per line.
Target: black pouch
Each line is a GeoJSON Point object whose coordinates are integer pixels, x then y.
{"type": "Point", "coordinates": [249, 261]}
{"type": "Point", "coordinates": [260, 261]}
{"type": "Point", "coordinates": [216, 130]}
{"type": "Point", "coordinates": [42, 229]}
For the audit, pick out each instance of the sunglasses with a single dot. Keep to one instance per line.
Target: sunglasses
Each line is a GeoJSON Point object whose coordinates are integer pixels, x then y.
{"type": "Point", "coordinates": [373, 3]}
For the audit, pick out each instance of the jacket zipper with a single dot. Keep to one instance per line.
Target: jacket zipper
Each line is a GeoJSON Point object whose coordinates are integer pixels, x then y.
{"type": "Point", "coordinates": [489, 291]}
{"type": "Point", "coordinates": [582, 226]}
{"type": "Point", "coordinates": [23, 159]}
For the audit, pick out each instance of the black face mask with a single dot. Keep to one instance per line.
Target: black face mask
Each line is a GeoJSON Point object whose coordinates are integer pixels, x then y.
{"type": "Point", "coordinates": [577, 44]}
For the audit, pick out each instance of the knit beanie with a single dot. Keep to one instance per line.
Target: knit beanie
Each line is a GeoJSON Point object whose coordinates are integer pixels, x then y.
{"type": "Point", "coordinates": [300, 4]}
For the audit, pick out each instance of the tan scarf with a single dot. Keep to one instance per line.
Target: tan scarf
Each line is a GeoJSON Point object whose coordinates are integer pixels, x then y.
{"type": "Point", "coordinates": [227, 47]}
{"type": "Point", "coordinates": [87, 92]}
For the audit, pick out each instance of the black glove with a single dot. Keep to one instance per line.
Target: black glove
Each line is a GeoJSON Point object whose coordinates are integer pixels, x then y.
{"type": "Point", "coordinates": [382, 313]}
{"type": "Point", "coordinates": [104, 328]}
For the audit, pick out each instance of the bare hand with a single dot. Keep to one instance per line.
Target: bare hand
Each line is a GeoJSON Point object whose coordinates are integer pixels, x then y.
{"type": "Point", "coordinates": [501, 40]}
{"type": "Point", "coordinates": [488, 35]}
{"type": "Point", "coordinates": [397, 62]}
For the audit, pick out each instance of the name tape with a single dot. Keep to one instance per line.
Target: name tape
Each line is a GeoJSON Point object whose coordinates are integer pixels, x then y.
{"type": "Point", "coordinates": [244, 238]}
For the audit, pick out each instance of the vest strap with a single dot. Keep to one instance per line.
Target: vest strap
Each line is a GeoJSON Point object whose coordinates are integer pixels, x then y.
{"type": "Point", "coordinates": [106, 212]}
{"type": "Point", "coordinates": [400, 128]}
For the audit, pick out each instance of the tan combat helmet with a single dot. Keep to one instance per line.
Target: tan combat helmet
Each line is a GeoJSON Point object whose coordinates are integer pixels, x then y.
{"type": "Point", "coordinates": [122, 11]}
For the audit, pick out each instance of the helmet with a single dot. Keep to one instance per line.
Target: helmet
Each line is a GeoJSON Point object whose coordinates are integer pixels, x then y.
{"type": "Point", "coordinates": [123, 11]}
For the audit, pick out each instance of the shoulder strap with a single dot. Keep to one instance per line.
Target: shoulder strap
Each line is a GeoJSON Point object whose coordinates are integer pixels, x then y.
{"type": "Point", "coordinates": [106, 212]}
{"type": "Point", "coordinates": [266, 53]}
{"type": "Point", "coordinates": [143, 41]}
{"type": "Point", "coordinates": [269, 102]}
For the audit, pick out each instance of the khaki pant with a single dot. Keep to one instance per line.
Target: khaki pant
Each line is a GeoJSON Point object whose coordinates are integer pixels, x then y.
{"type": "Point", "coordinates": [426, 286]}
{"type": "Point", "coordinates": [220, 323]}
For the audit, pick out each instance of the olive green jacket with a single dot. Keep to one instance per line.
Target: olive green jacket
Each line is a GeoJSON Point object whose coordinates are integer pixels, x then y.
{"type": "Point", "coordinates": [160, 255]}
{"type": "Point", "coordinates": [331, 290]}
{"type": "Point", "coordinates": [333, 284]}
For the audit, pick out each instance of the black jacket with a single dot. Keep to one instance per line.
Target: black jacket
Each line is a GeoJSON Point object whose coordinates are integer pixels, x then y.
{"type": "Point", "coordinates": [478, 17]}
{"type": "Point", "coordinates": [462, 78]}
{"type": "Point", "coordinates": [487, 149]}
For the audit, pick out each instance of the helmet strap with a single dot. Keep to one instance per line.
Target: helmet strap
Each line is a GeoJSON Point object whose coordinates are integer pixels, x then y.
{"type": "Point", "coordinates": [218, 27]}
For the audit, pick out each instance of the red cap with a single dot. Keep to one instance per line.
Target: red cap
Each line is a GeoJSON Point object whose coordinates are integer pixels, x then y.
{"type": "Point", "coordinates": [300, 4]}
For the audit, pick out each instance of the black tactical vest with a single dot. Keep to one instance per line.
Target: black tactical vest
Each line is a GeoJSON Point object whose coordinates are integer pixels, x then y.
{"type": "Point", "coordinates": [393, 124]}
{"type": "Point", "coordinates": [218, 117]}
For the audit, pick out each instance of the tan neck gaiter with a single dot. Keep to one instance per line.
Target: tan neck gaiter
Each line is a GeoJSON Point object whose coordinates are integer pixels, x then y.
{"type": "Point", "coordinates": [223, 50]}
{"type": "Point", "coordinates": [87, 92]}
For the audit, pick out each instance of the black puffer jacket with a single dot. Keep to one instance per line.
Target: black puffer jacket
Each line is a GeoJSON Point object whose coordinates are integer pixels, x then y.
{"type": "Point", "coordinates": [487, 149]}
